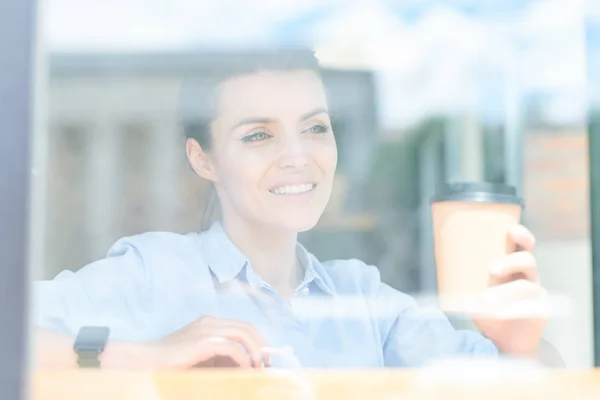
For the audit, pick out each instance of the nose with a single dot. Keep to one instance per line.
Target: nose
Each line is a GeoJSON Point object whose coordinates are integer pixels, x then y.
{"type": "Point", "coordinates": [294, 154]}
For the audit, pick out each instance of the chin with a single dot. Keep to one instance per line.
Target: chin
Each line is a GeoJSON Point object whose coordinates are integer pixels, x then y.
{"type": "Point", "coordinates": [298, 223]}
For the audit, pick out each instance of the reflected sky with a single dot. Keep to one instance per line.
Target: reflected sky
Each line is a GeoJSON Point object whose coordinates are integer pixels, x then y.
{"type": "Point", "coordinates": [593, 52]}
{"type": "Point", "coordinates": [445, 56]}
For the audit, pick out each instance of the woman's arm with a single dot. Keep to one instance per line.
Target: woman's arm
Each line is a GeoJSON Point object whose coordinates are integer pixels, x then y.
{"type": "Point", "coordinates": [55, 350]}
{"type": "Point", "coordinates": [207, 342]}
{"type": "Point", "coordinates": [413, 336]}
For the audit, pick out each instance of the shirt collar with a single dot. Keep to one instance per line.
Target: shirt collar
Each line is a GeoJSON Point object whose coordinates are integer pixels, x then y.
{"type": "Point", "coordinates": [226, 261]}
{"type": "Point", "coordinates": [313, 271]}
{"type": "Point", "coordinates": [223, 258]}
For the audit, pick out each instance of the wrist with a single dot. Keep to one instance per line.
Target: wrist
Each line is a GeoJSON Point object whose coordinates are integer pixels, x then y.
{"type": "Point", "coordinates": [543, 352]}
{"type": "Point", "coordinates": [518, 352]}
{"type": "Point", "coordinates": [127, 355]}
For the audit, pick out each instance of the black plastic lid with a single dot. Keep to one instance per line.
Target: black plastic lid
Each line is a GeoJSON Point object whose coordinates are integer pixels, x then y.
{"type": "Point", "coordinates": [477, 192]}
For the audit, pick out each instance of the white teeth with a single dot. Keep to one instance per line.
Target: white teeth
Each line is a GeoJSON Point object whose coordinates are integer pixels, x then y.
{"type": "Point", "coordinates": [293, 189]}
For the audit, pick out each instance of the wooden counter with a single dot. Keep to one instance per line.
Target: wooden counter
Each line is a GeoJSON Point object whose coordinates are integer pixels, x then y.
{"type": "Point", "coordinates": [313, 384]}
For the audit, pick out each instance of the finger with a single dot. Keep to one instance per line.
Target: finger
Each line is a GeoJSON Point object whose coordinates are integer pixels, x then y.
{"type": "Point", "coordinates": [253, 332]}
{"type": "Point", "coordinates": [234, 351]}
{"type": "Point", "coordinates": [254, 341]}
{"type": "Point", "coordinates": [514, 266]}
{"type": "Point", "coordinates": [512, 292]}
{"type": "Point", "coordinates": [522, 237]}
{"type": "Point", "coordinates": [242, 337]}
{"type": "Point", "coordinates": [504, 299]}
{"type": "Point", "coordinates": [533, 307]}
{"type": "Point", "coordinates": [538, 307]}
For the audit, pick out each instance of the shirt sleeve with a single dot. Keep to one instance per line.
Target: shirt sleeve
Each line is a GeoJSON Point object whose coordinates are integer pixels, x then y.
{"type": "Point", "coordinates": [413, 336]}
{"type": "Point", "coordinates": [112, 292]}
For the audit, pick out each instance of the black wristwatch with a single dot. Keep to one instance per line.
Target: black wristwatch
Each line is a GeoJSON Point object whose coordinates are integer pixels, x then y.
{"type": "Point", "coordinates": [89, 344]}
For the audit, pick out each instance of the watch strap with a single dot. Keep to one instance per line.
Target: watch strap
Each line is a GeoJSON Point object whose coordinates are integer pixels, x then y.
{"type": "Point", "coordinates": [89, 344]}
{"type": "Point", "coordinates": [88, 361]}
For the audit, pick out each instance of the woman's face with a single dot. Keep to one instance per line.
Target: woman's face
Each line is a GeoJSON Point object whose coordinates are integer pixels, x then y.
{"type": "Point", "coordinates": [274, 154]}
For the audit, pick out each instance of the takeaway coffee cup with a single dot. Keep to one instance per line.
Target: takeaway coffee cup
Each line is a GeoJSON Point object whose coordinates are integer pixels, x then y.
{"type": "Point", "coordinates": [470, 227]}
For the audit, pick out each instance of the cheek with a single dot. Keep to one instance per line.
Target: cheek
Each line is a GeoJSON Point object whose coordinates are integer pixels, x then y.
{"type": "Point", "coordinates": [326, 158]}
{"type": "Point", "coordinates": [242, 173]}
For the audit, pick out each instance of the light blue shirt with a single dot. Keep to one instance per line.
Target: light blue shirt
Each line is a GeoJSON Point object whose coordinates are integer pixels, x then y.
{"type": "Point", "coordinates": [341, 315]}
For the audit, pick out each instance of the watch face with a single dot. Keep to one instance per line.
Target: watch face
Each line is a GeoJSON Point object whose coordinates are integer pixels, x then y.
{"type": "Point", "coordinates": [91, 338]}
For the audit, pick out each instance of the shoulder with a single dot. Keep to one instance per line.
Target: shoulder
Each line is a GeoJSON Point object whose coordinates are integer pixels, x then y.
{"type": "Point", "coordinates": [162, 253]}
{"type": "Point", "coordinates": [151, 244]}
{"type": "Point", "coordinates": [145, 254]}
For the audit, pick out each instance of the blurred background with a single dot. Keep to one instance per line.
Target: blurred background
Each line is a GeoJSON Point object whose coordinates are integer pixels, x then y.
{"type": "Point", "coordinates": [422, 91]}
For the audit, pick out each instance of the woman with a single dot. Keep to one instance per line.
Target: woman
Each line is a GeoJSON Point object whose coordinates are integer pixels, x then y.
{"type": "Point", "coordinates": [244, 292]}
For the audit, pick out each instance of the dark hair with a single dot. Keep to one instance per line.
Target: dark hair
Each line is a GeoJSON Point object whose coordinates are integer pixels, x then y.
{"type": "Point", "coordinates": [198, 100]}
{"type": "Point", "coordinates": [198, 95]}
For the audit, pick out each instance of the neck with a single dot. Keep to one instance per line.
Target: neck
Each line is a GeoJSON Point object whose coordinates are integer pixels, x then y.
{"type": "Point", "coordinates": [271, 252]}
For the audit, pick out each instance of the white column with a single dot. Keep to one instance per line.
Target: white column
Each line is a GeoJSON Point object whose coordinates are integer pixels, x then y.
{"type": "Point", "coordinates": [472, 150]}
{"type": "Point", "coordinates": [101, 188]}
{"type": "Point", "coordinates": [167, 153]}
{"type": "Point", "coordinates": [513, 130]}
{"type": "Point", "coordinates": [453, 138]}
{"type": "Point", "coordinates": [428, 181]}
{"type": "Point", "coordinates": [463, 150]}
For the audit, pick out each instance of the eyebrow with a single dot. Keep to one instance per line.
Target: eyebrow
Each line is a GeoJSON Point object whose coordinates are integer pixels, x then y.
{"type": "Point", "coordinates": [311, 114]}
{"type": "Point", "coordinates": [253, 120]}
{"type": "Point", "coordinates": [263, 120]}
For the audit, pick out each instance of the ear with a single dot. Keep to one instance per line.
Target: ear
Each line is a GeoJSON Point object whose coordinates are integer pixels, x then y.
{"type": "Point", "coordinates": [200, 160]}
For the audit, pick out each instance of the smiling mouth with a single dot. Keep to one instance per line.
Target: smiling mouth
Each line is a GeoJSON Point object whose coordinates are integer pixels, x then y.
{"type": "Point", "coordinates": [293, 189]}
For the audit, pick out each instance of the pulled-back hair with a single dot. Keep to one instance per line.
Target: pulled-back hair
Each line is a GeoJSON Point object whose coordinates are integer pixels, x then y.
{"type": "Point", "coordinates": [199, 95]}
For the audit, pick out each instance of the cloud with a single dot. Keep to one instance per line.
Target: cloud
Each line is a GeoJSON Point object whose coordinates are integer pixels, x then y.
{"type": "Point", "coordinates": [108, 25]}
{"type": "Point", "coordinates": [89, 25]}
{"type": "Point", "coordinates": [447, 60]}
{"type": "Point", "coordinates": [552, 37]}
{"type": "Point", "coordinates": [593, 53]}
{"type": "Point", "coordinates": [553, 49]}
{"type": "Point", "coordinates": [593, 11]}
{"type": "Point", "coordinates": [444, 62]}
{"type": "Point", "coordinates": [456, 62]}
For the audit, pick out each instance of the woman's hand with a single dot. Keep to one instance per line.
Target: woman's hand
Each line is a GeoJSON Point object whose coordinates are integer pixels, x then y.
{"type": "Point", "coordinates": [515, 305]}
{"type": "Point", "coordinates": [209, 342]}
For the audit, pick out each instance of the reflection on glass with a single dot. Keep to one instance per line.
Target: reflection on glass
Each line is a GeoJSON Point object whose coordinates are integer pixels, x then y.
{"type": "Point", "coordinates": [236, 133]}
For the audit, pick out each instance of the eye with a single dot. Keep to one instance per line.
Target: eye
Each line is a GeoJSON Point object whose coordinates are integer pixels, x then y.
{"type": "Point", "coordinates": [317, 128]}
{"type": "Point", "coordinates": [256, 137]}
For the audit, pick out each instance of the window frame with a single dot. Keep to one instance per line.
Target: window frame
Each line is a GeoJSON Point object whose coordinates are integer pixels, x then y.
{"type": "Point", "coordinates": [17, 52]}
